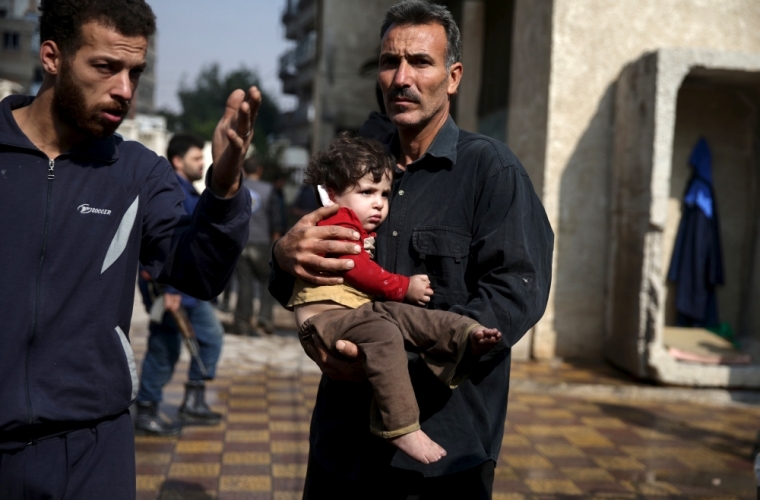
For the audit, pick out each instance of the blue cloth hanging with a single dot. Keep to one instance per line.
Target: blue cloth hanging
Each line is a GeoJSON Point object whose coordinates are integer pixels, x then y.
{"type": "Point", "coordinates": [699, 192]}
{"type": "Point", "coordinates": [697, 261]}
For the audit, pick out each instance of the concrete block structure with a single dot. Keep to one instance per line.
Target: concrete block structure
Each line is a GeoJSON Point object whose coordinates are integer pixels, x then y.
{"type": "Point", "coordinates": [664, 102]}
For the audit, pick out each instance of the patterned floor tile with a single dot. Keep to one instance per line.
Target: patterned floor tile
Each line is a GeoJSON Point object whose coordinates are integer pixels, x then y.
{"type": "Point", "coordinates": [554, 447]}
{"type": "Point", "coordinates": [245, 483]}
{"type": "Point", "coordinates": [561, 486]}
{"type": "Point", "coordinates": [179, 469]}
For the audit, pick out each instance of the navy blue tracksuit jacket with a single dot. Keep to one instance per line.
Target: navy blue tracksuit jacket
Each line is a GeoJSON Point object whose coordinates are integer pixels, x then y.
{"type": "Point", "coordinates": [72, 230]}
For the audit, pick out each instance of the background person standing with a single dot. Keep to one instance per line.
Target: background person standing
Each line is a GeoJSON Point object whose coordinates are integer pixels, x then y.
{"type": "Point", "coordinates": [185, 153]}
{"type": "Point", "coordinates": [253, 266]}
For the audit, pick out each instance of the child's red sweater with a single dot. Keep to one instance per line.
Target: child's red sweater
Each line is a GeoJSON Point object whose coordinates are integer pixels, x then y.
{"type": "Point", "coordinates": [367, 275]}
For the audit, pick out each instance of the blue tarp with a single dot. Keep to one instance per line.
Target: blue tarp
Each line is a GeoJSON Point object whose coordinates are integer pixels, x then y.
{"type": "Point", "coordinates": [697, 262]}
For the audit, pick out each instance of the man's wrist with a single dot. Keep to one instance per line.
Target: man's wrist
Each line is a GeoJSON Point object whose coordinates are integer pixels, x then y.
{"type": "Point", "coordinates": [223, 190]}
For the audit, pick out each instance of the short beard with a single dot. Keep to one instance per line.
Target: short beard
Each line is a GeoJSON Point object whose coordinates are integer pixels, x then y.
{"type": "Point", "coordinates": [70, 105]}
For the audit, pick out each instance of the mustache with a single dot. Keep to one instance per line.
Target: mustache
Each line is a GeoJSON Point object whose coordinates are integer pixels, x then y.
{"type": "Point", "coordinates": [403, 93]}
{"type": "Point", "coordinates": [117, 107]}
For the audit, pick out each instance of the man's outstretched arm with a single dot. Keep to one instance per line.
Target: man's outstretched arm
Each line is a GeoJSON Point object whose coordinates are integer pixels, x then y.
{"type": "Point", "coordinates": [197, 253]}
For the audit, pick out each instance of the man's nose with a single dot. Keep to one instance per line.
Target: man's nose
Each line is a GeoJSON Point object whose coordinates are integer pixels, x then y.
{"type": "Point", "coordinates": [402, 76]}
{"type": "Point", "coordinates": [123, 86]}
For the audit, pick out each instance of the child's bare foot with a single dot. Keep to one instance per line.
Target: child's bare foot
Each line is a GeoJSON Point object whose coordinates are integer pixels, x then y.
{"type": "Point", "coordinates": [419, 446]}
{"type": "Point", "coordinates": [483, 339]}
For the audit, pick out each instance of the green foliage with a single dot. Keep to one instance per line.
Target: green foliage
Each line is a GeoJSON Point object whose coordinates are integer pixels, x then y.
{"type": "Point", "coordinates": [203, 104]}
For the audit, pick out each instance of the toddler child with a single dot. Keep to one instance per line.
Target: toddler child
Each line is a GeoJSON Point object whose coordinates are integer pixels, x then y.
{"type": "Point", "coordinates": [356, 173]}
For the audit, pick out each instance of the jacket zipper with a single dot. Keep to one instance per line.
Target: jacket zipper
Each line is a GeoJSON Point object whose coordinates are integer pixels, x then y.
{"type": "Point", "coordinates": [38, 283]}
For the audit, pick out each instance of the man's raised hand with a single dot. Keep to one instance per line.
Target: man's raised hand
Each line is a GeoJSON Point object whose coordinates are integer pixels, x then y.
{"type": "Point", "coordinates": [301, 252]}
{"type": "Point", "coordinates": [232, 137]}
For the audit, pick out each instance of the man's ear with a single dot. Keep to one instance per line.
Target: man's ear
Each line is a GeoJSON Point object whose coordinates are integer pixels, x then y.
{"type": "Point", "coordinates": [455, 77]}
{"type": "Point", "coordinates": [176, 162]}
{"type": "Point", "coordinates": [51, 57]}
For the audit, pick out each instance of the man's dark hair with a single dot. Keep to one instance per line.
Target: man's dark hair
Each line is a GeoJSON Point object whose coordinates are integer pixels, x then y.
{"type": "Point", "coordinates": [416, 12]}
{"type": "Point", "coordinates": [181, 143]}
{"type": "Point", "coordinates": [346, 160]}
{"type": "Point", "coordinates": [61, 20]}
{"type": "Point", "coordinates": [252, 164]}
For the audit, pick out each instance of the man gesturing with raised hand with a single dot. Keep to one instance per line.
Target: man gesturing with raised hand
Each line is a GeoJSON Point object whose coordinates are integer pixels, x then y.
{"type": "Point", "coordinates": [79, 207]}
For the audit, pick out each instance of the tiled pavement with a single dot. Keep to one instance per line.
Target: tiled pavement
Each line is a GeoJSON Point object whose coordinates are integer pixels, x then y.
{"type": "Point", "coordinates": [555, 446]}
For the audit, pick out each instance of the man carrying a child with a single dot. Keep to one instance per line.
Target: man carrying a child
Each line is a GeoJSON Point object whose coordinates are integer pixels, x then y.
{"type": "Point", "coordinates": [463, 212]}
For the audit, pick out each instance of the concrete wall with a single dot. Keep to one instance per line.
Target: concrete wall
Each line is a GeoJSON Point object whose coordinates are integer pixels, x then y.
{"type": "Point", "coordinates": [349, 36]}
{"type": "Point", "coordinates": [591, 41]}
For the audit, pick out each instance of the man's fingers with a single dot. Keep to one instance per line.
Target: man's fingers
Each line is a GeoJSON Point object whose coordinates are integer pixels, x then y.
{"type": "Point", "coordinates": [332, 247]}
{"type": "Point", "coordinates": [322, 280]}
{"type": "Point", "coordinates": [320, 347]}
{"type": "Point", "coordinates": [322, 265]}
{"type": "Point", "coordinates": [254, 101]}
{"type": "Point", "coordinates": [233, 105]}
{"type": "Point", "coordinates": [235, 139]}
{"type": "Point", "coordinates": [246, 117]}
{"type": "Point", "coordinates": [347, 349]}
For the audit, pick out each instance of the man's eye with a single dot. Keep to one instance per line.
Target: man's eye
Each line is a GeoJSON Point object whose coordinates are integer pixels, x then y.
{"type": "Point", "coordinates": [389, 62]}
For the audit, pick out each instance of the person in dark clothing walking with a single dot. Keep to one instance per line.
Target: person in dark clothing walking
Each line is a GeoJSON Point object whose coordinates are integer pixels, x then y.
{"type": "Point", "coordinates": [185, 153]}
{"type": "Point", "coordinates": [464, 212]}
{"type": "Point", "coordinates": [79, 208]}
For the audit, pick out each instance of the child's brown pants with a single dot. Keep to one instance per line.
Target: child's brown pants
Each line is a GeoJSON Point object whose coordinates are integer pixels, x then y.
{"type": "Point", "coordinates": [381, 329]}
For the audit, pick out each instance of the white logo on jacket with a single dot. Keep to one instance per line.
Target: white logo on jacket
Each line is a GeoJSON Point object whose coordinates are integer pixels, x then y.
{"type": "Point", "coordinates": [85, 208]}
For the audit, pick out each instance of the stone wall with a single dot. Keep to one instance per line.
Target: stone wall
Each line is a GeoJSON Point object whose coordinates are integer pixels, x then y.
{"type": "Point", "coordinates": [591, 41]}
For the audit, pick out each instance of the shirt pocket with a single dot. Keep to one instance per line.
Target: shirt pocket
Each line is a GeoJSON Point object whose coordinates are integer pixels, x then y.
{"type": "Point", "coordinates": [443, 252]}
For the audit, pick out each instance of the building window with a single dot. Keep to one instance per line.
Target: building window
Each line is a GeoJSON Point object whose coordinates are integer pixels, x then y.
{"type": "Point", "coordinates": [11, 40]}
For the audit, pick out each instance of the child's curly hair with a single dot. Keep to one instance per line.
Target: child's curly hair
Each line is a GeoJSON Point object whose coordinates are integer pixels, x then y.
{"type": "Point", "coordinates": [346, 160]}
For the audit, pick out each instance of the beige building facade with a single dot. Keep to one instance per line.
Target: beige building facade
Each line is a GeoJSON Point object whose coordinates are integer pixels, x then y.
{"type": "Point", "coordinates": [591, 42]}
{"type": "Point", "coordinates": [543, 76]}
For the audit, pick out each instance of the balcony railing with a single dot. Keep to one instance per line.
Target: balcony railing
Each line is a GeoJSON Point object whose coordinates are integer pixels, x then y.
{"type": "Point", "coordinates": [288, 64]}
{"type": "Point", "coordinates": [306, 50]}
{"type": "Point", "coordinates": [298, 18]}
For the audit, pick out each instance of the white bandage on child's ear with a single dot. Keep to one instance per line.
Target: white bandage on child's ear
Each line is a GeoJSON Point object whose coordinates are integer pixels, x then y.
{"type": "Point", "coordinates": [324, 197]}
